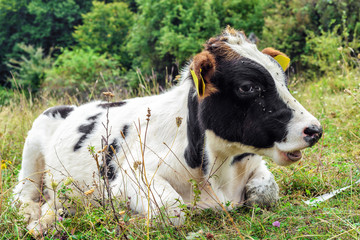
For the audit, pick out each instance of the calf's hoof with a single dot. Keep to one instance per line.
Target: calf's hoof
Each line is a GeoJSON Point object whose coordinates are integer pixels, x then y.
{"type": "Point", "coordinates": [261, 193]}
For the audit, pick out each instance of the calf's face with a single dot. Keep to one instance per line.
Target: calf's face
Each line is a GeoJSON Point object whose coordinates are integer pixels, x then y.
{"type": "Point", "coordinates": [246, 100]}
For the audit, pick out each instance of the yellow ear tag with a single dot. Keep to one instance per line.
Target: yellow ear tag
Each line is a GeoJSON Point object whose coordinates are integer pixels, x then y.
{"type": "Point", "coordinates": [283, 61]}
{"type": "Point", "coordinates": [199, 85]}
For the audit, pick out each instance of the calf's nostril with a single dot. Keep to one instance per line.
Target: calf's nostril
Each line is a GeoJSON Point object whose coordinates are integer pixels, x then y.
{"type": "Point", "coordinates": [313, 134]}
{"type": "Point", "coordinates": [312, 130]}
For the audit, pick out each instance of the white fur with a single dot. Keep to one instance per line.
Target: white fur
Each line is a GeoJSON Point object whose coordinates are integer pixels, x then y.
{"type": "Point", "coordinates": [49, 157]}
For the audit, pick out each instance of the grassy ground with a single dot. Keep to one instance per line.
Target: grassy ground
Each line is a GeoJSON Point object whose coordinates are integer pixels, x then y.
{"type": "Point", "coordinates": [333, 163]}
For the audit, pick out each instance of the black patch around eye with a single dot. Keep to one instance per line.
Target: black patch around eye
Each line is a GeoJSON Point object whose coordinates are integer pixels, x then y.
{"type": "Point", "coordinates": [241, 157]}
{"type": "Point", "coordinates": [107, 169]}
{"type": "Point", "coordinates": [259, 120]}
{"type": "Point", "coordinates": [111, 104]}
{"type": "Point", "coordinates": [64, 111]}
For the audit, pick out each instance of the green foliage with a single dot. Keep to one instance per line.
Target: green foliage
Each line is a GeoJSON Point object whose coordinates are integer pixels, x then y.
{"type": "Point", "coordinates": [5, 96]}
{"type": "Point", "coordinates": [29, 72]}
{"type": "Point", "coordinates": [167, 33]}
{"type": "Point", "coordinates": [323, 51]}
{"type": "Point", "coordinates": [245, 15]}
{"type": "Point", "coordinates": [105, 29]}
{"type": "Point", "coordinates": [291, 24]}
{"type": "Point", "coordinates": [39, 23]}
{"type": "Point", "coordinates": [154, 38]}
{"type": "Point", "coordinates": [330, 14]}
{"type": "Point", "coordinates": [285, 27]}
{"type": "Point", "coordinates": [176, 31]}
{"type": "Point", "coordinates": [329, 53]}
{"type": "Point", "coordinates": [81, 70]}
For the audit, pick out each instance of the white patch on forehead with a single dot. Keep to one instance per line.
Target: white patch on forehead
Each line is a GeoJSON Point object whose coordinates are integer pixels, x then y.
{"type": "Point", "coordinates": [250, 51]}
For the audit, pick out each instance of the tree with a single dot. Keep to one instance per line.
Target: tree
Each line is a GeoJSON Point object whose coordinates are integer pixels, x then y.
{"type": "Point", "coordinates": [105, 29]}
{"type": "Point", "coordinates": [168, 32]}
{"type": "Point", "coordinates": [39, 23]}
{"type": "Point", "coordinates": [289, 24]}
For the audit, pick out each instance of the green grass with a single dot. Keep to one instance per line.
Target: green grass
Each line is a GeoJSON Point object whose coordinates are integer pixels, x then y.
{"type": "Point", "coordinates": [331, 164]}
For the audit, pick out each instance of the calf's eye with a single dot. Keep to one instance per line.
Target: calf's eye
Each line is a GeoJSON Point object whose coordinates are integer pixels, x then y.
{"type": "Point", "coordinates": [248, 89]}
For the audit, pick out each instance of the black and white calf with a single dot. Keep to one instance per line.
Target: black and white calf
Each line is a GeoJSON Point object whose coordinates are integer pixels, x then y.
{"type": "Point", "coordinates": [235, 107]}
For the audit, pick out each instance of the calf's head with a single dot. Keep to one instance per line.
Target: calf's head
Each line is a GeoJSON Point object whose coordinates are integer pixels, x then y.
{"type": "Point", "coordinates": [244, 99]}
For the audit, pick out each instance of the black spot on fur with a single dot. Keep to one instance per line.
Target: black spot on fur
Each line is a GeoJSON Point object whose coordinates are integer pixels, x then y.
{"type": "Point", "coordinates": [125, 130]}
{"type": "Point", "coordinates": [64, 111]}
{"type": "Point", "coordinates": [78, 144]}
{"type": "Point", "coordinates": [86, 129]}
{"type": "Point", "coordinates": [93, 118]}
{"type": "Point", "coordinates": [108, 169]}
{"type": "Point", "coordinates": [240, 157]}
{"type": "Point", "coordinates": [194, 152]}
{"type": "Point", "coordinates": [111, 104]}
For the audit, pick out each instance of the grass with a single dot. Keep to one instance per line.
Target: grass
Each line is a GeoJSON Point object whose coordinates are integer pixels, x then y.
{"type": "Point", "coordinates": [331, 164]}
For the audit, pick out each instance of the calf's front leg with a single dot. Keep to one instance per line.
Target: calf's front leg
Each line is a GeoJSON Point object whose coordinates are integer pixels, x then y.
{"type": "Point", "coordinates": [261, 189]}
{"type": "Point", "coordinates": [245, 179]}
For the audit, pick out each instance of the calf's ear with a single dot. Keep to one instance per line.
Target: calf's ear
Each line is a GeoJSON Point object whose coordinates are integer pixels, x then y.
{"type": "Point", "coordinates": [202, 69]}
{"type": "Point", "coordinates": [280, 57]}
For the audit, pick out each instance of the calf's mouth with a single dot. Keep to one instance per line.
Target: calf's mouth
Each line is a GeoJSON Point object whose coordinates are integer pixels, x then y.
{"type": "Point", "coordinates": [294, 156]}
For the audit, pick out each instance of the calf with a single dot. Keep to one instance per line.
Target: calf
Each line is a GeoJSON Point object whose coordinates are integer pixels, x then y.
{"type": "Point", "coordinates": [235, 107]}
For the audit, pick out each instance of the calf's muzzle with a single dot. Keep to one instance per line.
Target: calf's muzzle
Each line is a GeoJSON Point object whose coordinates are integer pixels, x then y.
{"type": "Point", "coordinates": [312, 134]}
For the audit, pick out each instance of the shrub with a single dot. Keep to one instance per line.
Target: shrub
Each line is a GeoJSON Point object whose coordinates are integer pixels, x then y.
{"type": "Point", "coordinates": [5, 96]}
{"type": "Point", "coordinates": [289, 24]}
{"type": "Point", "coordinates": [105, 29]}
{"type": "Point", "coordinates": [30, 71]}
{"type": "Point", "coordinates": [167, 33]}
{"type": "Point", "coordinates": [45, 24]}
{"type": "Point", "coordinates": [246, 15]}
{"type": "Point", "coordinates": [323, 52]}
{"type": "Point", "coordinates": [81, 70]}
{"type": "Point", "coordinates": [328, 53]}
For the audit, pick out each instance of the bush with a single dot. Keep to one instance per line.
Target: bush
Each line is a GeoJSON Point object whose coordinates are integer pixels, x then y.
{"type": "Point", "coordinates": [246, 15]}
{"type": "Point", "coordinates": [328, 53]}
{"type": "Point", "coordinates": [105, 29]}
{"type": "Point", "coordinates": [81, 70]}
{"type": "Point", "coordinates": [45, 24]}
{"type": "Point", "coordinates": [289, 24]}
{"type": "Point", "coordinates": [323, 52]}
{"type": "Point", "coordinates": [30, 71]}
{"type": "Point", "coordinates": [167, 33]}
{"type": "Point", "coordinates": [5, 96]}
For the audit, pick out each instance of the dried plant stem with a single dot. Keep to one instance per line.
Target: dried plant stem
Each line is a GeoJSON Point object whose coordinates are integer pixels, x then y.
{"type": "Point", "coordinates": [142, 149]}
{"type": "Point", "coordinates": [105, 151]}
{"type": "Point", "coordinates": [162, 160]}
